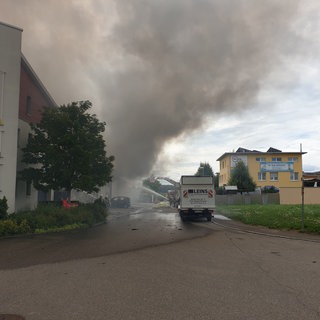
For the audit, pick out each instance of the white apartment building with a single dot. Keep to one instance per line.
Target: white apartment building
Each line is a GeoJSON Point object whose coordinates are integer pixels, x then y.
{"type": "Point", "coordinates": [10, 60]}
{"type": "Point", "coordinates": [22, 98]}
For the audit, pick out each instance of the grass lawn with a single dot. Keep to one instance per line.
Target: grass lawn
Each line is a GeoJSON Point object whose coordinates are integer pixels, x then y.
{"type": "Point", "coordinates": [288, 217]}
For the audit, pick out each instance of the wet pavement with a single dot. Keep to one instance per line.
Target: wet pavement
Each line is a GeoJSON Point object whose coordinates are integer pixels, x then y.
{"type": "Point", "coordinates": [145, 264]}
{"type": "Point", "coordinates": [125, 230]}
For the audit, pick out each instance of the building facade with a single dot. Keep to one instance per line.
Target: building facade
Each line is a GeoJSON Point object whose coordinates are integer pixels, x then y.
{"type": "Point", "coordinates": [33, 97]}
{"type": "Point", "coordinates": [10, 57]}
{"type": "Point", "coordinates": [270, 168]}
{"type": "Point", "coordinates": [22, 98]}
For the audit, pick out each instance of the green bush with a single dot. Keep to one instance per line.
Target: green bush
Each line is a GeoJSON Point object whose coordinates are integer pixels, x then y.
{"type": "Point", "coordinates": [49, 217]}
{"type": "Point", "coordinates": [10, 227]}
{"type": "Point", "coordinates": [3, 208]}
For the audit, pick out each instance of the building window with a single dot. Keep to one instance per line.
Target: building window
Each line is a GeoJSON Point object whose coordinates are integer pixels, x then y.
{"type": "Point", "coordinates": [276, 159]}
{"type": "Point", "coordinates": [28, 188]}
{"type": "Point", "coordinates": [294, 176]}
{"type": "Point", "coordinates": [261, 159]}
{"type": "Point", "coordinates": [262, 176]}
{"type": "Point", "coordinates": [274, 176]}
{"type": "Point", "coordinates": [293, 159]}
{"type": "Point", "coordinates": [28, 106]}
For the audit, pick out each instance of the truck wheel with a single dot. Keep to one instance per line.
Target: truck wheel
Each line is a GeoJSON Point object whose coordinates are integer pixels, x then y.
{"type": "Point", "coordinates": [183, 218]}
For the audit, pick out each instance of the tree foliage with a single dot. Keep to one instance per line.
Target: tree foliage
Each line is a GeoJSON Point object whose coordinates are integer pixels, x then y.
{"type": "Point", "coordinates": [241, 178]}
{"type": "Point", "coordinates": [204, 170]}
{"type": "Point", "coordinates": [66, 150]}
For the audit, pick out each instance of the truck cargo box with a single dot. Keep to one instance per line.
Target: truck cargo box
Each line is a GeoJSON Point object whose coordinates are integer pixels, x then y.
{"type": "Point", "coordinates": [197, 197]}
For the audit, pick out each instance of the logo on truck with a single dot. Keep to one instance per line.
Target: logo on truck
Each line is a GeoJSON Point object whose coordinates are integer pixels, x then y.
{"type": "Point", "coordinates": [198, 192]}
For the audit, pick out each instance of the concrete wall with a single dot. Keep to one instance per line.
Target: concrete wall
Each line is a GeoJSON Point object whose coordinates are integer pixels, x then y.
{"type": "Point", "coordinates": [10, 57]}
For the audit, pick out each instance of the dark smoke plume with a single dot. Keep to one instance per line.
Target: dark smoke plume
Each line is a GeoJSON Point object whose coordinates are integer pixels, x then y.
{"type": "Point", "coordinates": [155, 69]}
{"type": "Point", "coordinates": [187, 59]}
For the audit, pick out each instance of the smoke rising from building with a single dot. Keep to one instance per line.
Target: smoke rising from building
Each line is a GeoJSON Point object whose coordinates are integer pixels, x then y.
{"type": "Point", "coordinates": [155, 70]}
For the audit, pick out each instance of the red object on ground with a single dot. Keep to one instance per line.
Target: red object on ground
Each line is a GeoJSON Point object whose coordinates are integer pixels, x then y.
{"type": "Point", "coordinates": [66, 204]}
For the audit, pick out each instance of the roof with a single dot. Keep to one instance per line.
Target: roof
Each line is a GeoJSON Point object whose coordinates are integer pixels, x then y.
{"type": "Point", "coordinates": [10, 26]}
{"type": "Point", "coordinates": [311, 175]}
{"type": "Point", "coordinates": [27, 67]}
{"type": "Point", "coordinates": [271, 150]}
{"type": "Point", "coordinates": [231, 188]}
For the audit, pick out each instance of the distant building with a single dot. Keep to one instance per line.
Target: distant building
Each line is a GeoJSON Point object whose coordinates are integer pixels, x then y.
{"type": "Point", "coordinates": [22, 98]}
{"type": "Point", "coordinates": [273, 167]}
{"type": "Point", "coordinates": [311, 179]}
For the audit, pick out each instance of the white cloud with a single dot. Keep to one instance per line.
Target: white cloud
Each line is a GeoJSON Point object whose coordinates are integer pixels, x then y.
{"type": "Point", "coordinates": [292, 120]}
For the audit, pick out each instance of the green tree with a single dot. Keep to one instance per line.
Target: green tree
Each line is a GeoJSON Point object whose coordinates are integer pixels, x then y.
{"type": "Point", "coordinates": [204, 170]}
{"type": "Point", "coordinates": [241, 178]}
{"type": "Point", "coordinates": [66, 150]}
{"type": "Point", "coordinates": [216, 180]}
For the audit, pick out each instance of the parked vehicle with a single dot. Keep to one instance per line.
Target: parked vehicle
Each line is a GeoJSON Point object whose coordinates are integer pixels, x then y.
{"type": "Point", "coordinates": [120, 202]}
{"type": "Point", "coordinates": [197, 197]}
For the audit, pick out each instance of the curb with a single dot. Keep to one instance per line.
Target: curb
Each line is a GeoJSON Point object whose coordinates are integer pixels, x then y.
{"type": "Point", "coordinates": [264, 231]}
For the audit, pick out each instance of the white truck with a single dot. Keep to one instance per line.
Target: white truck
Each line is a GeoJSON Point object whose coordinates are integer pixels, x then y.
{"type": "Point", "coordinates": [197, 197]}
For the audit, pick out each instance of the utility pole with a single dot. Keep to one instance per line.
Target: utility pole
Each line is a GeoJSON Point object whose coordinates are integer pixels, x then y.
{"type": "Point", "coordinates": [302, 205]}
{"type": "Point", "coordinates": [302, 194]}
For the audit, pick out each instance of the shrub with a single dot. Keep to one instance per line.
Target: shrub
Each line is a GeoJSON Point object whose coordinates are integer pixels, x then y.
{"type": "Point", "coordinates": [10, 227]}
{"type": "Point", "coordinates": [3, 208]}
{"type": "Point", "coordinates": [269, 189]}
{"type": "Point", "coordinates": [49, 217]}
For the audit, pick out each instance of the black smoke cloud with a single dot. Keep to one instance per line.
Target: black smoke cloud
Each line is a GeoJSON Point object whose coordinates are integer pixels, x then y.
{"type": "Point", "coordinates": [155, 70]}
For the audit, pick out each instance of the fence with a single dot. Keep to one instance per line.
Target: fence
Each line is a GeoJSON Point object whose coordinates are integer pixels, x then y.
{"type": "Point", "coordinates": [285, 196]}
{"type": "Point", "coordinates": [294, 195]}
{"type": "Point", "coordinates": [264, 198]}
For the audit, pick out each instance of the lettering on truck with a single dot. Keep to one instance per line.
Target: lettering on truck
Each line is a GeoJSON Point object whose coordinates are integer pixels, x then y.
{"type": "Point", "coordinates": [198, 191]}
{"type": "Point", "coordinates": [201, 191]}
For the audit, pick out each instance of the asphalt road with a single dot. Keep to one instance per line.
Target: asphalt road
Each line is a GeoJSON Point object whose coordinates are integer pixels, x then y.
{"type": "Point", "coordinates": [145, 264]}
{"type": "Point", "coordinates": [126, 230]}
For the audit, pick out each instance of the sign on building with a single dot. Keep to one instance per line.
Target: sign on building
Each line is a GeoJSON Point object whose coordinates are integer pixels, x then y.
{"type": "Point", "coordinates": [236, 158]}
{"type": "Point", "coordinates": [276, 167]}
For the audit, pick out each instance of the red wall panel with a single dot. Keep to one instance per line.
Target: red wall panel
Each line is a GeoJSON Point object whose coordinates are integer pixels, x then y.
{"type": "Point", "coordinates": [29, 87]}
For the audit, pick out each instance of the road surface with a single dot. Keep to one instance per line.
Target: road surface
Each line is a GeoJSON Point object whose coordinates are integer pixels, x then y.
{"type": "Point", "coordinates": [144, 264]}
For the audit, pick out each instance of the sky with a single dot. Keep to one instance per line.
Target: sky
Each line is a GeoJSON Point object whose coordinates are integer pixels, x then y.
{"type": "Point", "coordinates": [179, 82]}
